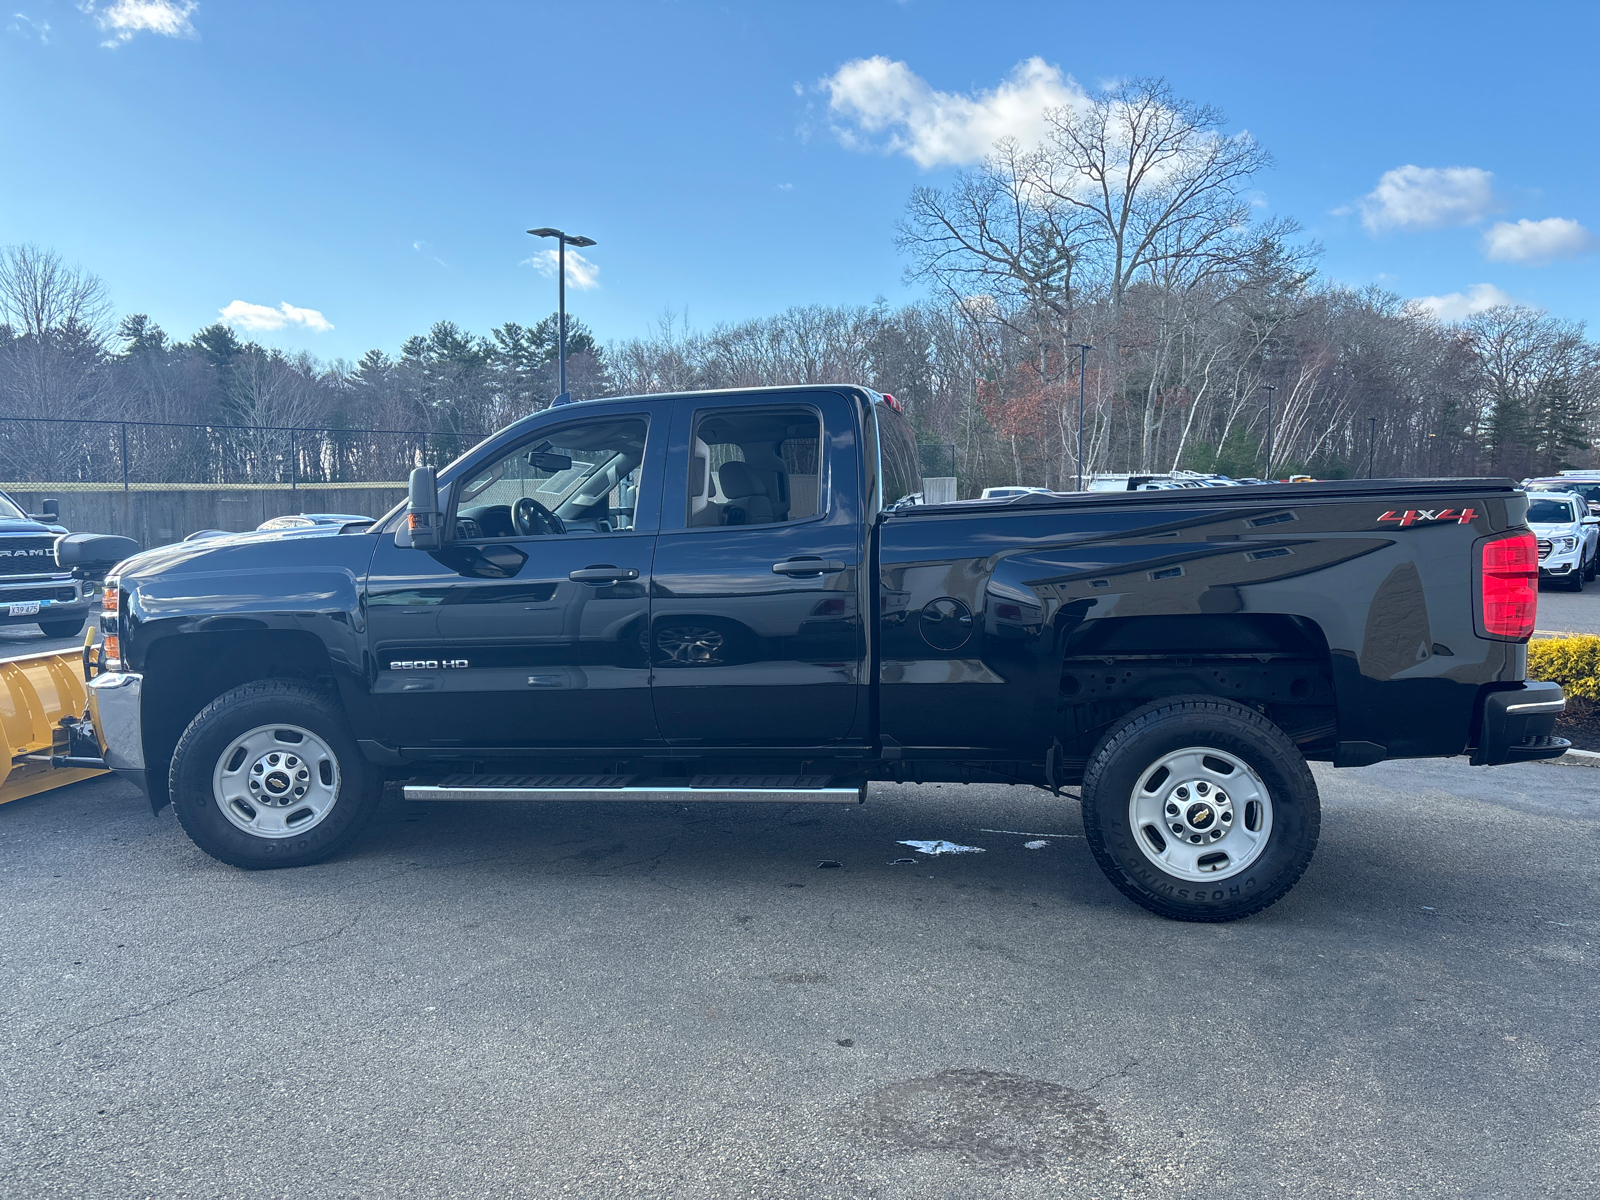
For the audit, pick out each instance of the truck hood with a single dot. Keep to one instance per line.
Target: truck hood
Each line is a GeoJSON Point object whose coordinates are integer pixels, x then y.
{"type": "Point", "coordinates": [224, 551]}
{"type": "Point", "coordinates": [11, 526]}
{"type": "Point", "coordinates": [1556, 529]}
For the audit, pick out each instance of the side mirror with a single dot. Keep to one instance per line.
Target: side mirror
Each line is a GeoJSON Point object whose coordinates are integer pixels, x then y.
{"type": "Point", "coordinates": [423, 527]}
{"type": "Point", "coordinates": [93, 553]}
{"type": "Point", "coordinates": [49, 512]}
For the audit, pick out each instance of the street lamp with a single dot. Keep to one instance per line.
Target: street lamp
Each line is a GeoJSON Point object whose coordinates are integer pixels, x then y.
{"type": "Point", "coordinates": [563, 240]}
{"type": "Point", "coordinates": [1271, 387]}
{"type": "Point", "coordinates": [1083, 357]}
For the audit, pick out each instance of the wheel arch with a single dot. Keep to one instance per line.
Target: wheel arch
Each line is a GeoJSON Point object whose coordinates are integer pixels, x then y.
{"type": "Point", "coordinates": [184, 674]}
{"type": "Point", "coordinates": [1276, 663]}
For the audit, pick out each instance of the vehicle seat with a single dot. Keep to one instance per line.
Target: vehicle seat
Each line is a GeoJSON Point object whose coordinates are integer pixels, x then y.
{"type": "Point", "coordinates": [748, 503]}
{"type": "Point", "coordinates": [770, 468]}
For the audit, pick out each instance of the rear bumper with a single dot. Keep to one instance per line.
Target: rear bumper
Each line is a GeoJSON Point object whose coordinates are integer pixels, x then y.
{"type": "Point", "coordinates": [1517, 724]}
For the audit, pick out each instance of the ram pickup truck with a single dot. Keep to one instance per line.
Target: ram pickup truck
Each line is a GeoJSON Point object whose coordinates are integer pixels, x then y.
{"type": "Point", "coordinates": [34, 590]}
{"type": "Point", "coordinates": [735, 596]}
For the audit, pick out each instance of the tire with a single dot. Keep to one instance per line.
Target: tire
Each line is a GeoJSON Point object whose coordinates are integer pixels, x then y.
{"type": "Point", "coordinates": [269, 775]}
{"type": "Point", "coordinates": [1208, 748]}
{"type": "Point", "coordinates": [61, 629]}
{"type": "Point", "coordinates": [1593, 568]}
{"type": "Point", "coordinates": [1575, 581]}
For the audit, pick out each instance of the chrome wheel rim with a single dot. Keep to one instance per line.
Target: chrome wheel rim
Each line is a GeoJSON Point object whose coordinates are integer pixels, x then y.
{"type": "Point", "coordinates": [1201, 814]}
{"type": "Point", "coordinates": [276, 781]}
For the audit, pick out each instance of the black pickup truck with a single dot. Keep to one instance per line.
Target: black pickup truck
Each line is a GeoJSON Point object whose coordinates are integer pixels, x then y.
{"type": "Point", "coordinates": [737, 596]}
{"type": "Point", "coordinates": [34, 590]}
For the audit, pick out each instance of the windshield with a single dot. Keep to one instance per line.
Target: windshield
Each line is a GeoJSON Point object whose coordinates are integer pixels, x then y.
{"type": "Point", "coordinates": [9, 511]}
{"type": "Point", "coordinates": [1550, 512]}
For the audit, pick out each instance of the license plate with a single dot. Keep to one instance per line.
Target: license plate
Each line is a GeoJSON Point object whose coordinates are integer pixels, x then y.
{"type": "Point", "coordinates": [23, 608]}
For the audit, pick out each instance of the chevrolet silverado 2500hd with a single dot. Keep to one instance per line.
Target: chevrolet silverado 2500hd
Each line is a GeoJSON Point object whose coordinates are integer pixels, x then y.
{"type": "Point", "coordinates": [734, 596]}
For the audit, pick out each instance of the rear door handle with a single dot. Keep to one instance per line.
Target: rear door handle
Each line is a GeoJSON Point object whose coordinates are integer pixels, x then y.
{"type": "Point", "coordinates": [604, 574]}
{"type": "Point", "coordinates": [808, 566]}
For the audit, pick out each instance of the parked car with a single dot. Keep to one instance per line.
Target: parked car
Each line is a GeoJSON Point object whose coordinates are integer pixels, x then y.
{"type": "Point", "coordinates": [1000, 493]}
{"type": "Point", "coordinates": [572, 611]}
{"type": "Point", "coordinates": [307, 520]}
{"type": "Point", "coordinates": [1569, 537]}
{"type": "Point", "coordinates": [1585, 485]}
{"type": "Point", "coordinates": [33, 589]}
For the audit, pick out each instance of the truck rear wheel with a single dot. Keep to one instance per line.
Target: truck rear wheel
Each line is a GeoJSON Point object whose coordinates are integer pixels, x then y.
{"type": "Point", "coordinates": [269, 775]}
{"type": "Point", "coordinates": [1200, 809]}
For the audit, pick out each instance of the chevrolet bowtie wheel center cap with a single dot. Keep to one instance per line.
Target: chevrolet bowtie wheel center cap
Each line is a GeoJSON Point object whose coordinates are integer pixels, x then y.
{"type": "Point", "coordinates": [1199, 821]}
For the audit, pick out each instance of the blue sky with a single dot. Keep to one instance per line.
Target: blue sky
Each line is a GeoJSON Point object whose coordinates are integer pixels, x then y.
{"type": "Point", "coordinates": [377, 163]}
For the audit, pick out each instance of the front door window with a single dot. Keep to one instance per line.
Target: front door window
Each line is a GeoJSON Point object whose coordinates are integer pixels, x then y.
{"type": "Point", "coordinates": [582, 479]}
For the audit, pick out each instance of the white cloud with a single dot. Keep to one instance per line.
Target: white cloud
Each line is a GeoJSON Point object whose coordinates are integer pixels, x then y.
{"type": "Point", "coordinates": [259, 318]}
{"type": "Point", "coordinates": [1412, 197]}
{"type": "Point", "coordinates": [1537, 242]}
{"type": "Point", "coordinates": [30, 27]}
{"type": "Point", "coordinates": [786, 187]}
{"type": "Point", "coordinates": [581, 273]}
{"type": "Point", "coordinates": [125, 18]}
{"type": "Point", "coordinates": [876, 96]}
{"type": "Point", "coordinates": [1457, 306]}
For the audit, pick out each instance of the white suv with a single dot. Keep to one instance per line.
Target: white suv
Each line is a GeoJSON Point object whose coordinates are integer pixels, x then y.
{"type": "Point", "coordinates": [1569, 537]}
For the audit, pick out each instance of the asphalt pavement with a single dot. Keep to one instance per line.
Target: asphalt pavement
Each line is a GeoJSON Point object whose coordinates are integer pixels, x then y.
{"type": "Point", "coordinates": [613, 1000]}
{"type": "Point", "coordinates": [29, 639]}
{"type": "Point", "coordinates": [1564, 612]}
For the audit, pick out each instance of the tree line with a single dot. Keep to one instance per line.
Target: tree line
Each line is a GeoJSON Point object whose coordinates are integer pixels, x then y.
{"type": "Point", "coordinates": [1120, 258]}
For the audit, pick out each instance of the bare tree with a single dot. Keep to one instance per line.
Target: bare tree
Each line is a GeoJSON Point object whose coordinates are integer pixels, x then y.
{"type": "Point", "coordinates": [39, 294]}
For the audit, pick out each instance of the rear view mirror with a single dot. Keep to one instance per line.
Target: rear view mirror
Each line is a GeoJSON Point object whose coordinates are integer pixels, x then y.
{"type": "Point", "coordinates": [548, 460]}
{"type": "Point", "coordinates": [92, 553]}
{"type": "Point", "coordinates": [422, 528]}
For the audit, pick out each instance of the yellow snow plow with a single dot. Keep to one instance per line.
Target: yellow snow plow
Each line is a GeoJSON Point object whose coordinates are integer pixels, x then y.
{"type": "Point", "coordinates": [47, 740]}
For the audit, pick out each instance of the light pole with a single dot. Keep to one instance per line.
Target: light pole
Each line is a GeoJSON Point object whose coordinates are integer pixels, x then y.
{"type": "Point", "coordinates": [1271, 387]}
{"type": "Point", "coordinates": [563, 240]}
{"type": "Point", "coordinates": [1083, 357]}
{"type": "Point", "coordinates": [1372, 444]}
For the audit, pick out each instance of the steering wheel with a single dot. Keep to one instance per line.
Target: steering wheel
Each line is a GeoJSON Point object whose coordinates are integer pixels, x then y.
{"type": "Point", "coordinates": [532, 519]}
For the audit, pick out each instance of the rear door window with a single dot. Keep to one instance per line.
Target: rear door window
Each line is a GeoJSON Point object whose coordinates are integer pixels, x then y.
{"type": "Point", "coordinates": [755, 466]}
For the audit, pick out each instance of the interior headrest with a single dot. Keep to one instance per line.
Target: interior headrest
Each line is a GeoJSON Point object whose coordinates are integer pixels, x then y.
{"type": "Point", "coordinates": [738, 480]}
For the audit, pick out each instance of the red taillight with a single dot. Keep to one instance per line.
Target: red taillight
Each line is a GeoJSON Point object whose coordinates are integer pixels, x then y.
{"type": "Point", "coordinates": [892, 402]}
{"type": "Point", "coordinates": [1509, 574]}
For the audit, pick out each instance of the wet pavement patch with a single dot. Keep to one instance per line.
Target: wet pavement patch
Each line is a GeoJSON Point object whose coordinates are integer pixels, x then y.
{"type": "Point", "coordinates": [985, 1119]}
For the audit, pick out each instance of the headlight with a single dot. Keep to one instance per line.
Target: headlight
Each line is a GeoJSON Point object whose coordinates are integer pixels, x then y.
{"type": "Point", "coordinates": [1563, 545]}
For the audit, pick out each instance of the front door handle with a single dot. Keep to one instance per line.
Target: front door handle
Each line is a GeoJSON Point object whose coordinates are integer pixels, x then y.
{"type": "Point", "coordinates": [808, 566]}
{"type": "Point", "coordinates": [604, 573]}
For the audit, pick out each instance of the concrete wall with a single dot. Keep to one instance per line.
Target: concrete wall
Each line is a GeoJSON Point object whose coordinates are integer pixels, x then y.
{"type": "Point", "coordinates": [157, 514]}
{"type": "Point", "coordinates": [939, 489]}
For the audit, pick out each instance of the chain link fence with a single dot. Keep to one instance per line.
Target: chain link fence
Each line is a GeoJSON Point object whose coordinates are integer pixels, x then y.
{"type": "Point", "coordinates": [96, 456]}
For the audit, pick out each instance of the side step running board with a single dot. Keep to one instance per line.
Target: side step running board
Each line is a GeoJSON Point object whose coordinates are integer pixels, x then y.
{"type": "Point", "coordinates": [737, 789]}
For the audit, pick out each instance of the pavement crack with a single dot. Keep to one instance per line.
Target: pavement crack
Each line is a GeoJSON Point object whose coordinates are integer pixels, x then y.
{"type": "Point", "coordinates": [264, 960]}
{"type": "Point", "coordinates": [1120, 1073]}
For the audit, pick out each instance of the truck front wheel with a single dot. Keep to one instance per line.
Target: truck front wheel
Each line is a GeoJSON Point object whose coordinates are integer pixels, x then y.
{"type": "Point", "coordinates": [269, 775]}
{"type": "Point", "coordinates": [1200, 809]}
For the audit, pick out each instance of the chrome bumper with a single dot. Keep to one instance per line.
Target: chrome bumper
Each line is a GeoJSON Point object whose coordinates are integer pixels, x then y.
{"type": "Point", "coordinates": [114, 709]}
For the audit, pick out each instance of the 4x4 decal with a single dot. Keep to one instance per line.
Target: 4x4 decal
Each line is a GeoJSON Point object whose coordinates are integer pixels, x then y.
{"type": "Point", "coordinates": [1415, 516]}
